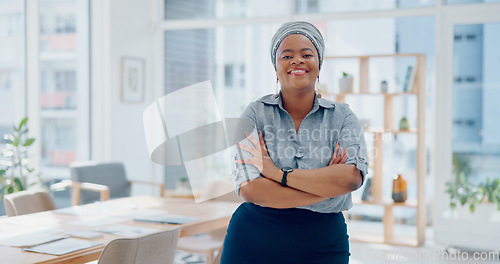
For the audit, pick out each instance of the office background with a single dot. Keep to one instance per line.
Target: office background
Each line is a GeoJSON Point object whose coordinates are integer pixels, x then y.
{"type": "Point", "coordinates": [61, 66]}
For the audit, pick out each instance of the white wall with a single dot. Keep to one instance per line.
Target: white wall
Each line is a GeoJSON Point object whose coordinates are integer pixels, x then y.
{"type": "Point", "coordinates": [122, 28]}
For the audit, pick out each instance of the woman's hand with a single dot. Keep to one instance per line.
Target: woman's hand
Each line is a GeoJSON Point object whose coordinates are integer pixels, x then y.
{"type": "Point", "coordinates": [260, 159]}
{"type": "Point", "coordinates": [338, 159]}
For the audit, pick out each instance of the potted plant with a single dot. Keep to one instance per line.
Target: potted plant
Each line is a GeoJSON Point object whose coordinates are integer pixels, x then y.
{"type": "Point", "coordinates": [466, 194]}
{"type": "Point", "coordinates": [15, 171]}
{"type": "Point", "coordinates": [346, 83]}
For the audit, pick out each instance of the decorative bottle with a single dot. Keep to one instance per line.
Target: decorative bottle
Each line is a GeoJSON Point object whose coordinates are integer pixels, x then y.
{"type": "Point", "coordinates": [399, 190]}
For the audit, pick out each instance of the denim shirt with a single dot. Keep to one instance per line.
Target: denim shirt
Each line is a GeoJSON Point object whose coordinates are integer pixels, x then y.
{"type": "Point", "coordinates": [311, 148]}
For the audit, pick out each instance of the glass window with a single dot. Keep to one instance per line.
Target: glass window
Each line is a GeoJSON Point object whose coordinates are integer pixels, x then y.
{"type": "Point", "coordinates": [64, 84]}
{"type": "Point", "coordinates": [235, 60]}
{"type": "Point", "coordinates": [476, 92]}
{"type": "Point", "coordinates": [330, 6]}
{"type": "Point", "coordinates": [12, 64]}
{"type": "Point", "coordinates": [195, 9]}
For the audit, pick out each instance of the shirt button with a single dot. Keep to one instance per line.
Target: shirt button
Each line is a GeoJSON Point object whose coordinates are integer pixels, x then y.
{"type": "Point", "coordinates": [299, 153]}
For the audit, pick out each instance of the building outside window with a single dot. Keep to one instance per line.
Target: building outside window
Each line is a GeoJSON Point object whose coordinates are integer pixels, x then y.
{"type": "Point", "coordinates": [63, 106]}
{"type": "Point", "coordinates": [64, 66]}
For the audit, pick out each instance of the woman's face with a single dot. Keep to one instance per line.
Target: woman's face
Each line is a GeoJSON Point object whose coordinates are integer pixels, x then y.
{"type": "Point", "coordinates": [297, 63]}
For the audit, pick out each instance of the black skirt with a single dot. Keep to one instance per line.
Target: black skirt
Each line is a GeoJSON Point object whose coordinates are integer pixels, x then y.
{"type": "Point", "coordinates": [259, 235]}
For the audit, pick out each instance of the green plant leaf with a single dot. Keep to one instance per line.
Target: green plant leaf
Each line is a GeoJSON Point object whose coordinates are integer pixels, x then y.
{"type": "Point", "coordinates": [15, 142]}
{"type": "Point", "coordinates": [463, 200]}
{"type": "Point", "coordinates": [19, 184]}
{"type": "Point", "coordinates": [472, 207]}
{"type": "Point", "coordinates": [23, 122]}
{"type": "Point", "coordinates": [2, 172]}
{"type": "Point", "coordinates": [29, 142]}
{"type": "Point", "coordinates": [453, 205]}
{"type": "Point", "coordinates": [9, 188]}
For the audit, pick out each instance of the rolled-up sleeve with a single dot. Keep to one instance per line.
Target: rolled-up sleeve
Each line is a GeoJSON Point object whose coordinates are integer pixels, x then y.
{"type": "Point", "coordinates": [242, 173]}
{"type": "Point", "coordinates": [351, 137]}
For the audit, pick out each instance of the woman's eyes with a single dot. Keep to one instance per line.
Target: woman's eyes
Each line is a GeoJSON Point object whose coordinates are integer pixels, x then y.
{"type": "Point", "coordinates": [305, 56]}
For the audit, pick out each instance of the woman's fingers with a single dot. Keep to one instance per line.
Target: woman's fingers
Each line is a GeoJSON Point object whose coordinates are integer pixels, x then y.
{"type": "Point", "coordinates": [245, 161]}
{"type": "Point", "coordinates": [252, 139]}
{"type": "Point", "coordinates": [252, 150]}
{"type": "Point", "coordinates": [343, 159]}
{"type": "Point", "coordinates": [335, 153]}
{"type": "Point", "coordinates": [340, 158]}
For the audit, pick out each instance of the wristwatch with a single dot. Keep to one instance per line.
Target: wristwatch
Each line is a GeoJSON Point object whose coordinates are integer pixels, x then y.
{"type": "Point", "coordinates": [285, 170]}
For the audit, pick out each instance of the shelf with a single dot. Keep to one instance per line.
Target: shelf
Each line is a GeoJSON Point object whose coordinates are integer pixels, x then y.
{"type": "Point", "coordinates": [408, 203]}
{"type": "Point", "coordinates": [371, 232]}
{"type": "Point", "coordinates": [390, 125]}
{"type": "Point", "coordinates": [384, 94]}
{"type": "Point", "coordinates": [393, 131]}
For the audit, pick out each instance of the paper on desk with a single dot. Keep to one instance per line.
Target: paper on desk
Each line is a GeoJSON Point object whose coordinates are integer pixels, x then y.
{"type": "Point", "coordinates": [141, 212]}
{"type": "Point", "coordinates": [33, 239]}
{"type": "Point", "coordinates": [167, 219]}
{"type": "Point", "coordinates": [77, 210]}
{"type": "Point", "coordinates": [116, 205]}
{"type": "Point", "coordinates": [126, 231]}
{"type": "Point", "coordinates": [30, 220]}
{"type": "Point", "coordinates": [87, 234]}
{"type": "Point", "coordinates": [63, 246]}
{"type": "Point", "coordinates": [99, 221]}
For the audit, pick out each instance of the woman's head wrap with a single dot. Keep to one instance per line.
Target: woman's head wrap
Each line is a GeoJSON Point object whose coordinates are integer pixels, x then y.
{"type": "Point", "coordinates": [300, 27]}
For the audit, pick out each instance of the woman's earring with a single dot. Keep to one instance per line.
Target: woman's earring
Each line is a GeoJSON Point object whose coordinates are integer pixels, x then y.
{"type": "Point", "coordinates": [277, 88]}
{"type": "Point", "coordinates": [318, 89]}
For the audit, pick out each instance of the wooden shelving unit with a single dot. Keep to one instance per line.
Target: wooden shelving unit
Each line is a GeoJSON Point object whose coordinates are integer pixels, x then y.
{"type": "Point", "coordinates": [388, 205]}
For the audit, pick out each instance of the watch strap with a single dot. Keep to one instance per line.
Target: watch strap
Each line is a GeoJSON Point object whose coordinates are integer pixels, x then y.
{"type": "Point", "coordinates": [283, 179]}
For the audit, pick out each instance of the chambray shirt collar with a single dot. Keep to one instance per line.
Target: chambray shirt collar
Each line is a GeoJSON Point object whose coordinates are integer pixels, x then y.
{"type": "Point", "coordinates": [273, 100]}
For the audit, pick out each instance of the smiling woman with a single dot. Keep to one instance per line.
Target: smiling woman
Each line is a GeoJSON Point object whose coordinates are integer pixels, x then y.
{"type": "Point", "coordinates": [295, 184]}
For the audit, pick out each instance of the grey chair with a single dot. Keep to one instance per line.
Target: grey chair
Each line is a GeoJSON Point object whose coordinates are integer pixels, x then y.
{"type": "Point", "coordinates": [157, 248]}
{"type": "Point", "coordinates": [111, 174]}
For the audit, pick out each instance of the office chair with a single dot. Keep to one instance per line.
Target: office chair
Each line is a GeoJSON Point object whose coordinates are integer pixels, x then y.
{"type": "Point", "coordinates": [212, 242]}
{"type": "Point", "coordinates": [27, 202]}
{"type": "Point", "coordinates": [157, 248]}
{"type": "Point", "coordinates": [110, 174]}
{"type": "Point", "coordinates": [38, 200]}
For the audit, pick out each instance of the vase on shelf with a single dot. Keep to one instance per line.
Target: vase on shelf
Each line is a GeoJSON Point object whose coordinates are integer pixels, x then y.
{"type": "Point", "coordinates": [399, 189]}
{"type": "Point", "coordinates": [383, 86]}
{"type": "Point", "coordinates": [403, 124]}
{"type": "Point", "coordinates": [346, 83]}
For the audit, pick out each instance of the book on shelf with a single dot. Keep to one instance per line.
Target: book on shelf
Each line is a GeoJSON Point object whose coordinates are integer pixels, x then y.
{"type": "Point", "coordinates": [409, 82]}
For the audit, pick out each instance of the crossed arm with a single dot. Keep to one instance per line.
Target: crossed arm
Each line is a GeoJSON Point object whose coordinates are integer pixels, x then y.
{"type": "Point", "coordinates": [305, 186]}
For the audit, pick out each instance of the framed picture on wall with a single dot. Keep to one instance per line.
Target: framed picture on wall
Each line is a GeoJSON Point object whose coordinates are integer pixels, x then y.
{"type": "Point", "coordinates": [132, 80]}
